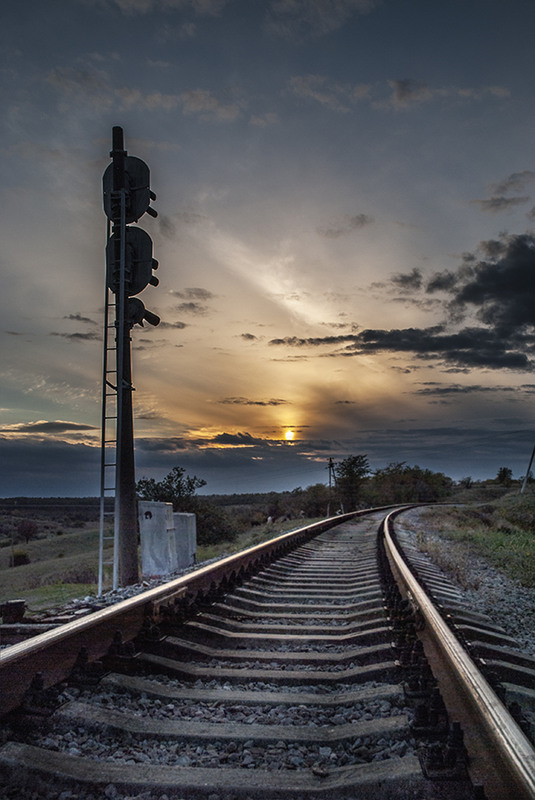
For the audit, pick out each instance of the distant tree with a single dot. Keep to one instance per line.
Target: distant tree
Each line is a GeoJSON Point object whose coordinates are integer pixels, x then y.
{"type": "Point", "coordinates": [315, 500]}
{"type": "Point", "coordinates": [176, 488]}
{"type": "Point", "coordinates": [26, 529]}
{"type": "Point", "coordinates": [466, 483]}
{"type": "Point", "coordinates": [213, 523]}
{"type": "Point", "coordinates": [350, 474]}
{"type": "Point", "coordinates": [504, 476]}
{"type": "Point", "coordinates": [401, 483]}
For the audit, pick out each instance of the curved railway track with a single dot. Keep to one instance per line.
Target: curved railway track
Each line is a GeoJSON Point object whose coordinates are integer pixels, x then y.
{"type": "Point", "coordinates": [315, 665]}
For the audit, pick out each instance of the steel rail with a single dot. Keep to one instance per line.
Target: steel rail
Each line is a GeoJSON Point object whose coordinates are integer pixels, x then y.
{"type": "Point", "coordinates": [55, 652]}
{"type": "Point", "coordinates": [517, 751]}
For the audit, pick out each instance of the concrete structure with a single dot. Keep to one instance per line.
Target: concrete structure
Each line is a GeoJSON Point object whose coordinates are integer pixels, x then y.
{"type": "Point", "coordinates": [157, 533]}
{"type": "Point", "coordinates": [185, 539]}
{"type": "Point", "coordinates": [168, 540]}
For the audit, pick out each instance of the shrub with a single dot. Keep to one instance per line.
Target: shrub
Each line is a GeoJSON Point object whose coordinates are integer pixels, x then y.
{"type": "Point", "coordinates": [19, 558]}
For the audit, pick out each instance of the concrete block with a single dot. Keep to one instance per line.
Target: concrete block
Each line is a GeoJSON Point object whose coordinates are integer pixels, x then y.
{"type": "Point", "coordinates": [157, 534]}
{"type": "Point", "coordinates": [185, 539]}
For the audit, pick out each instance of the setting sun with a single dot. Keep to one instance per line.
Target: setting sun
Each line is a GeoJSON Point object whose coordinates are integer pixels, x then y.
{"type": "Point", "coordinates": [289, 435]}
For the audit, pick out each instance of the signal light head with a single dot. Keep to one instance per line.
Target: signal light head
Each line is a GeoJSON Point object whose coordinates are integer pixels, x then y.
{"type": "Point", "coordinates": [136, 313]}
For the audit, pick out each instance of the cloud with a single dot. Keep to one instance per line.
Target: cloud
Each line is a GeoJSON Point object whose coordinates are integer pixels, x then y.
{"type": "Point", "coordinates": [516, 182]}
{"type": "Point", "coordinates": [244, 401]}
{"type": "Point", "coordinates": [408, 92]}
{"type": "Point", "coordinates": [79, 337]}
{"type": "Point", "coordinates": [442, 282]}
{"type": "Point", "coordinates": [457, 388]}
{"type": "Point", "coordinates": [309, 19]}
{"type": "Point", "coordinates": [408, 280]}
{"type": "Point", "coordinates": [263, 120]}
{"type": "Point", "coordinates": [133, 7]}
{"type": "Point", "coordinates": [194, 293]}
{"type": "Point", "coordinates": [237, 439]}
{"type": "Point", "coordinates": [248, 337]}
{"type": "Point", "coordinates": [203, 102]}
{"type": "Point", "coordinates": [91, 86]}
{"type": "Point", "coordinates": [43, 426]}
{"type": "Point", "coordinates": [345, 227]}
{"type": "Point", "coordinates": [79, 318]}
{"type": "Point", "coordinates": [498, 281]}
{"type": "Point", "coordinates": [469, 347]}
{"type": "Point", "coordinates": [179, 326]}
{"type": "Point", "coordinates": [196, 309]}
{"type": "Point", "coordinates": [498, 203]}
{"type": "Point", "coordinates": [334, 96]}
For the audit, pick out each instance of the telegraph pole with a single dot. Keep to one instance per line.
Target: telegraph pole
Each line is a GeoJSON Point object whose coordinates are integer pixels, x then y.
{"type": "Point", "coordinates": [129, 266]}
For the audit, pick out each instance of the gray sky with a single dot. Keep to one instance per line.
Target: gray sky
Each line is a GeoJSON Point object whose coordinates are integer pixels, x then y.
{"type": "Point", "coordinates": [346, 199]}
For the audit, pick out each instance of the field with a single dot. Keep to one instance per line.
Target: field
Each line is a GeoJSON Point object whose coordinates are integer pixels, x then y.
{"type": "Point", "coordinates": [501, 531]}
{"type": "Point", "coordinates": [61, 550]}
{"type": "Point", "coordinates": [63, 557]}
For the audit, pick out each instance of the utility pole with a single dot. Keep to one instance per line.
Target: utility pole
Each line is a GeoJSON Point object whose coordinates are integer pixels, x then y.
{"type": "Point", "coordinates": [332, 479]}
{"type": "Point", "coordinates": [526, 476]}
{"type": "Point", "coordinates": [129, 266]}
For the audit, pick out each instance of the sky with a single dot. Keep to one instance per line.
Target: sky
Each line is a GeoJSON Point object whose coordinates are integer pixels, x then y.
{"type": "Point", "coordinates": [345, 236]}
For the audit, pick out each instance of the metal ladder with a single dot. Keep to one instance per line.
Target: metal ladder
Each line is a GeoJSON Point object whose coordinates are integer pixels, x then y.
{"type": "Point", "coordinates": [108, 447]}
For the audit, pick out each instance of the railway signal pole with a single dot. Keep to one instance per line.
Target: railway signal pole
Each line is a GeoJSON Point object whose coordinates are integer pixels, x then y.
{"type": "Point", "coordinates": [129, 269]}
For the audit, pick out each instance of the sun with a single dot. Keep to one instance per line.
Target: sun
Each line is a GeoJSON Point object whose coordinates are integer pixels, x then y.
{"type": "Point", "coordinates": [289, 435]}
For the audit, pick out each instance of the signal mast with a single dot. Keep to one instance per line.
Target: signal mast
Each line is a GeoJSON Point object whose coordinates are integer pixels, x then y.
{"type": "Point", "coordinates": [129, 269]}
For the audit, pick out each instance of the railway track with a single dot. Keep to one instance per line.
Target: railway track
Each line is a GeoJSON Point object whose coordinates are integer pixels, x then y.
{"type": "Point", "coordinates": [315, 665]}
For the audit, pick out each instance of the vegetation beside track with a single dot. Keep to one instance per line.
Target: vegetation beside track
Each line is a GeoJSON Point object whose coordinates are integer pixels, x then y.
{"type": "Point", "coordinates": [63, 566]}
{"type": "Point", "coordinates": [502, 531]}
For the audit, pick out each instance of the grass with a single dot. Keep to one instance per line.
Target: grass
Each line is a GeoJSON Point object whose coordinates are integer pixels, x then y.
{"type": "Point", "coordinates": [502, 532]}
{"type": "Point", "coordinates": [64, 567]}
{"type": "Point", "coordinates": [254, 536]}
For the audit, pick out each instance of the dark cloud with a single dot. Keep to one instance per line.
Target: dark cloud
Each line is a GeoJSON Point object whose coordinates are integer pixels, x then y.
{"type": "Point", "coordinates": [345, 227]}
{"type": "Point", "coordinates": [514, 183]}
{"type": "Point", "coordinates": [244, 401]}
{"type": "Point", "coordinates": [442, 282]}
{"type": "Point", "coordinates": [408, 280]}
{"type": "Point", "coordinates": [313, 341]}
{"type": "Point", "coordinates": [498, 203]}
{"type": "Point", "coordinates": [457, 388]}
{"type": "Point", "coordinates": [167, 446]}
{"type": "Point", "coordinates": [194, 293]}
{"type": "Point", "coordinates": [500, 284]}
{"type": "Point", "coordinates": [33, 467]}
{"type": "Point", "coordinates": [248, 337]}
{"type": "Point", "coordinates": [196, 309]}
{"type": "Point", "coordinates": [79, 318]}
{"type": "Point", "coordinates": [55, 427]}
{"type": "Point", "coordinates": [172, 325]}
{"type": "Point", "coordinates": [237, 439]}
{"type": "Point", "coordinates": [470, 347]}
{"type": "Point", "coordinates": [79, 337]}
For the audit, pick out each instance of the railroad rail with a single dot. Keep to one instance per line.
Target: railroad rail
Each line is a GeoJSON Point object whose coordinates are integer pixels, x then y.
{"type": "Point", "coordinates": [324, 662]}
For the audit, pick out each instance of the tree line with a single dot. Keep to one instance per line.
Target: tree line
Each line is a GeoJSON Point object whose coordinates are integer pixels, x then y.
{"type": "Point", "coordinates": [355, 486]}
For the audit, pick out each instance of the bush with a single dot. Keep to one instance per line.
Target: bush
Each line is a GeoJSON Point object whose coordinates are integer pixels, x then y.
{"type": "Point", "coordinates": [213, 524]}
{"type": "Point", "coordinates": [19, 558]}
